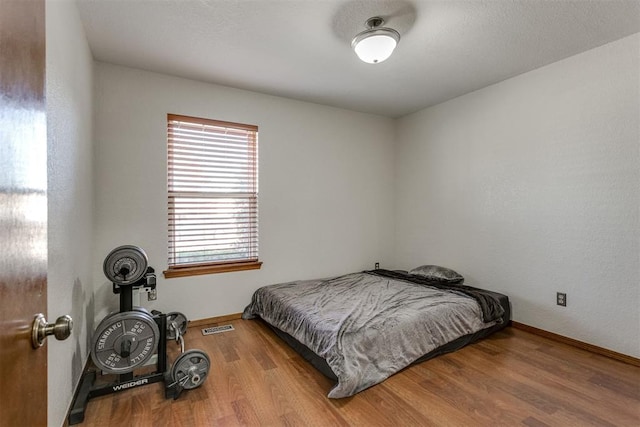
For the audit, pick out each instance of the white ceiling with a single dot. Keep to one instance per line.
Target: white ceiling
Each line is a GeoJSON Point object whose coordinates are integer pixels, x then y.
{"type": "Point", "coordinates": [301, 48]}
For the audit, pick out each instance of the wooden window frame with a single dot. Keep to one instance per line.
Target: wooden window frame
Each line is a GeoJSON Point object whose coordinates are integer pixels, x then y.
{"type": "Point", "coordinates": [175, 176]}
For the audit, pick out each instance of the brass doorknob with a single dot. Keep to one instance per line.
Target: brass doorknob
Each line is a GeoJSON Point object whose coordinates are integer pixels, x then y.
{"type": "Point", "coordinates": [41, 329]}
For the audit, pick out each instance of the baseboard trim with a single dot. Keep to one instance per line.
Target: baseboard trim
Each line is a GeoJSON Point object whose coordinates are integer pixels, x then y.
{"type": "Point", "coordinates": [212, 320]}
{"type": "Point", "coordinates": [579, 344]}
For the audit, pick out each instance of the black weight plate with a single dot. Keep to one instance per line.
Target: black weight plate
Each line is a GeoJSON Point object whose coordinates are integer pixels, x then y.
{"type": "Point", "coordinates": [125, 265]}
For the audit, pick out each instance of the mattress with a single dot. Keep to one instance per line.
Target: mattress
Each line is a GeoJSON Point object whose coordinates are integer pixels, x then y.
{"type": "Point", "coordinates": [360, 328]}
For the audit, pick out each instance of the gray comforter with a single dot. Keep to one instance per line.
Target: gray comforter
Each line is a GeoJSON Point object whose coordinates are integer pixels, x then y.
{"type": "Point", "coordinates": [365, 326]}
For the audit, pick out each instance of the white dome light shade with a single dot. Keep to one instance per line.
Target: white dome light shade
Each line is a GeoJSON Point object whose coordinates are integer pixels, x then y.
{"type": "Point", "coordinates": [375, 48]}
{"type": "Point", "coordinates": [377, 43]}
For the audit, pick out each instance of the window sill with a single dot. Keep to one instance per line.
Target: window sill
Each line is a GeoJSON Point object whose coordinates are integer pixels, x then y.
{"type": "Point", "coordinates": [196, 270]}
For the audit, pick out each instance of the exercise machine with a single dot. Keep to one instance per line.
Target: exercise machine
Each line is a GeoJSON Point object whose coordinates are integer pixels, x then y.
{"type": "Point", "coordinates": [133, 337]}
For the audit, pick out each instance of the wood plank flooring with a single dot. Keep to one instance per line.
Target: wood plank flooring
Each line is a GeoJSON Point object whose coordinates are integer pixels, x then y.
{"type": "Point", "coordinates": [511, 378]}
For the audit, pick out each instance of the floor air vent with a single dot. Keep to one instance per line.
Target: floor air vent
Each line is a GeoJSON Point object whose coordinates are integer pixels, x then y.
{"type": "Point", "coordinates": [217, 329]}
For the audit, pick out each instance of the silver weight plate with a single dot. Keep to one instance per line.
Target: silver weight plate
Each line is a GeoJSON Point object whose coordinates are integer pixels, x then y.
{"type": "Point", "coordinates": [181, 322]}
{"type": "Point", "coordinates": [142, 310]}
{"type": "Point", "coordinates": [191, 369]}
{"type": "Point", "coordinates": [125, 265]}
{"type": "Point", "coordinates": [124, 341]}
{"type": "Point", "coordinates": [135, 308]}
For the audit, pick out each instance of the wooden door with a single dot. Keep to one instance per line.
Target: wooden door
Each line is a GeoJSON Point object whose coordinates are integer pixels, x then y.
{"type": "Point", "coordinates": [23, 211]}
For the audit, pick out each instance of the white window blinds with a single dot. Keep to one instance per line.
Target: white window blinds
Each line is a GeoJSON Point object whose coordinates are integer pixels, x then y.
{"type": "Point", "coordinates": [213, 192]}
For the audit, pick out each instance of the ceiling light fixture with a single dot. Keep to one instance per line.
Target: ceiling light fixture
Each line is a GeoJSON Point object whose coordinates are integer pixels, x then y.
{"type": "Point", "coordinates": [377, 43]}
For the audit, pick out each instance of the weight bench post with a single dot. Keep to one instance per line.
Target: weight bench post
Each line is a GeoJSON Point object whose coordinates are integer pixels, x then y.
{"type": "Point", "coordinates": [161, 320]}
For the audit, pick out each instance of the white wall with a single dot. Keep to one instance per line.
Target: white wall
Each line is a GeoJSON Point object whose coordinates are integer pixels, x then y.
{"type": "Point", "coordinates": [326, 186]}
{"type": "Point", "coordinates": [531, 186]}
{"type": "Point", "coordinates": [70, 204]}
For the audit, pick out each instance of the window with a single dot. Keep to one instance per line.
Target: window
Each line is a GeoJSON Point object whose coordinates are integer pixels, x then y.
{"type": "Point", "coordinates": [213, 196]}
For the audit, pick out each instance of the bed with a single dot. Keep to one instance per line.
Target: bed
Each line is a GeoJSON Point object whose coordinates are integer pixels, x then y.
{"type": "Point", "coordinates": [360, 328]}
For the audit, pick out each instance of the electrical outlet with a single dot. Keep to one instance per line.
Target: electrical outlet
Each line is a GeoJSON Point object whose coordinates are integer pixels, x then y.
{"type": "Point", "coordinates": [561, 299]}
{"type": "Point", "coordinates": [377, 265]}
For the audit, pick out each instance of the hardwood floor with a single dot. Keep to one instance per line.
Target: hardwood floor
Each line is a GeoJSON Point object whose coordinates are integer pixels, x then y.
{"type": "Point", "coordinates": [511, 378]}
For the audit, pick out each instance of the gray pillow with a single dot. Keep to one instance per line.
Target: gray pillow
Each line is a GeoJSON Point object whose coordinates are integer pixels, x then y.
{"type": "Point", "coordinates": [435, 272]}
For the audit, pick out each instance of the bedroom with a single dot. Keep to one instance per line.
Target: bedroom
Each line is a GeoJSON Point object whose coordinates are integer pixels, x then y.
{"type": "Point", "coordinates": [516, 188]}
